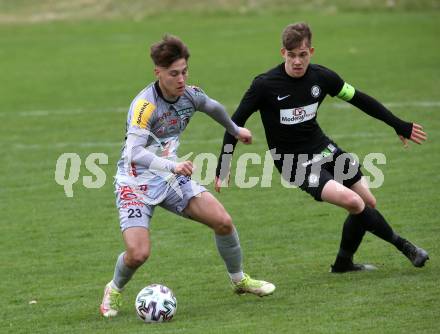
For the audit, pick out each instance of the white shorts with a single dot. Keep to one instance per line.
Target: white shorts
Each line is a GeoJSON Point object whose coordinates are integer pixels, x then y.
{"type": "Point", "coordinates": [136, 202]}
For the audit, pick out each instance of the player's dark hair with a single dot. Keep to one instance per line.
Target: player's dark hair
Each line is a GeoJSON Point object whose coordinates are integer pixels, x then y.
{"type": "Point", "coordinates": [294, 34]}
{"type": "Point", "coordinates": [168, 50]}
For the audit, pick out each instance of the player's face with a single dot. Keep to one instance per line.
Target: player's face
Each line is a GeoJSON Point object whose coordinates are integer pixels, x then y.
{"type": "Point", "coordinates": [172, 79]}
{"type": "Point", "coordinates": [297, 60]}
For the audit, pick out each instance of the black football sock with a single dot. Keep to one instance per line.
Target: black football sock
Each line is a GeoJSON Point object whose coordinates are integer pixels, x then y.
{"type": "Point", "coordinates": [352, 234]}
{"type": "Point", "coordinates": [399, 242]}
{"type": "Point", "coordinates": [374, 222]}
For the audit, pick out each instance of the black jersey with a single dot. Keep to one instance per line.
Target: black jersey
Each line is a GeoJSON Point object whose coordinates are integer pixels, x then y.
{"type": "Point", "coordinates": [289, 107]}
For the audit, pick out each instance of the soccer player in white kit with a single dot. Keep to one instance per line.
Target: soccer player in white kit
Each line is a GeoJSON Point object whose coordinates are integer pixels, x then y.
{"type": "Point", "coordinates": [149, 174]}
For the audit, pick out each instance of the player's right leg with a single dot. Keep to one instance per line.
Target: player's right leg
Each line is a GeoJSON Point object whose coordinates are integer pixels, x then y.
{"type": "Point", "coordinates": [137, 243]}
{"type": "Point", "coordinates": [134, 218]}
{"type": "Point", "coordinates": [353, 231]}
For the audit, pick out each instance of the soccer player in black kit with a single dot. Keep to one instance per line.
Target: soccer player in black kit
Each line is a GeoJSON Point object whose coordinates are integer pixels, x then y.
{"type": "Point", "coordinates": [288, 97]}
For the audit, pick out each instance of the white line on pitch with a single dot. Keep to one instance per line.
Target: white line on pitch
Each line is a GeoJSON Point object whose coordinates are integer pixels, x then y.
{"type": "Point", "coordinates": [36, 113]}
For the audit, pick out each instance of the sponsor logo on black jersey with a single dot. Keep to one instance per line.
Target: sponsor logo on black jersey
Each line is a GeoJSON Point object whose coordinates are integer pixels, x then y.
{"type": "Point", "coordinates": [298, 115]}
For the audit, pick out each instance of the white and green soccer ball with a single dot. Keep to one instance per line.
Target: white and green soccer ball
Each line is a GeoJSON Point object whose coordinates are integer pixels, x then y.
{"type": "Point", "coordinates": [155, 303]}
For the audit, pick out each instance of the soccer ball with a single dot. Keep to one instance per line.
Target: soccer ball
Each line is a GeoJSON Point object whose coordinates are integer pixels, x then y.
{"type": "Point", "coordinates": [155, 303]}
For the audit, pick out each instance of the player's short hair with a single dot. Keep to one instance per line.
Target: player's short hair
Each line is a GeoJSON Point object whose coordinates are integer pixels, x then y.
{"type": "Point", "coordinates": [294, 34]}
{"type": "Point", "coordinates": [168, 50]}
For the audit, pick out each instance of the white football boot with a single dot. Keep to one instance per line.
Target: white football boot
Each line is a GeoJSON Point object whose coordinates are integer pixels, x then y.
{"type": "Point", "coordinates": [253, 286]}
{"type": "Point", "coordinates": [111, 302]}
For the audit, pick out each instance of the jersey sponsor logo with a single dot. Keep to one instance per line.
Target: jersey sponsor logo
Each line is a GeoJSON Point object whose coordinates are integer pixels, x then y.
{"type": "Point", "coordinates": [315, 91]}
{"type": "Point", "coordinates": [126, 193]}
{"type": "Point", "coordinates": [183, 179]}
{"type": "Point", "coordinates": [133, 171]}
{"type": "Point", "coordinates": [327, 152]}
{"type": "Point", "coordinates": [164, 116]}
{"type": "Point", "coordinates": [280, 98]}
{"type": "Point", "coordinates": [141, 113]}
{"type": "Point", "coordinates": [298, 115]}
{"type": "Point", "coordinates": [172, 128]}
{"type": "Point", "coordinates": [184, 111]}
{"type": "Point", "coordinates": [132, 203]}
{"type": "Point", "coordinates": [184, 122]}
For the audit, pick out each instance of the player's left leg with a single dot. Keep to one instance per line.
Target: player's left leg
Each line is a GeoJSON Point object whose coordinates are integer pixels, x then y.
{"type": "Point", "coordinates": [206, 209]}
{"type": "Point", "coordinates": [378, 225]}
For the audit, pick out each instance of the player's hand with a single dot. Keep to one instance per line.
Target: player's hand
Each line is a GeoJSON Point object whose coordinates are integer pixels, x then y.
{"type": "Point", "coordinates": [244, 135]}
{"type": "Point", "coordinates": [184, 168]}
{"type": "Point", "coordinates": [218, 183]}
{"type": "Point", "coordinates": [418, 136]}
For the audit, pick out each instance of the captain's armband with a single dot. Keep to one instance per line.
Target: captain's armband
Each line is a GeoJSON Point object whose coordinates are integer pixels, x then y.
{"type": "Point", "coordinates": [347, 92]}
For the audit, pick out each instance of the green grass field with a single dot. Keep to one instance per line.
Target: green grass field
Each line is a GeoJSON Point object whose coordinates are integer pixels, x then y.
{"type": "Point", "coordinates": [66, 86]}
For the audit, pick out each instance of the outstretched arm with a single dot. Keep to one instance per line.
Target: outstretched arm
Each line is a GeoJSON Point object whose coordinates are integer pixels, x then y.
{"type": "Point", "coordinates": [228, 146]}
{"type": "Point", "coordinates": [217, 112]}
{"type": "Point", "coordinates": [372, 107]}
{"type": "Point", "coordinates": [248, 105]}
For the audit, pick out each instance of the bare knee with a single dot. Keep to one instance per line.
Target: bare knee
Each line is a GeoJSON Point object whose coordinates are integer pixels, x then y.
{"type": "Point", "coordinates": [371, 202]}
{"type": "Point", "coordinates": [135, 257]}
{"type": "Point", "coordinates": [224, 225]}
{"type": "Point", "coordinates": [353, 203]}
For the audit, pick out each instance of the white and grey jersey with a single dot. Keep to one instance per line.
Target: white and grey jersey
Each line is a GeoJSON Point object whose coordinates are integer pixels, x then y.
{"type": "Point", "coordinates": [153, 129]}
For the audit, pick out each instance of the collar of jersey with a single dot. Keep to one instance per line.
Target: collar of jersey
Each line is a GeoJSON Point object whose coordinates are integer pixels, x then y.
{"type": "Point", "coordinates": [159, 92]}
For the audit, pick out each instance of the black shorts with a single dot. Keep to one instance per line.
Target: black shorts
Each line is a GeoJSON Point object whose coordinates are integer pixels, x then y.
{"type": "Point", "coordinates": [311, 172]}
